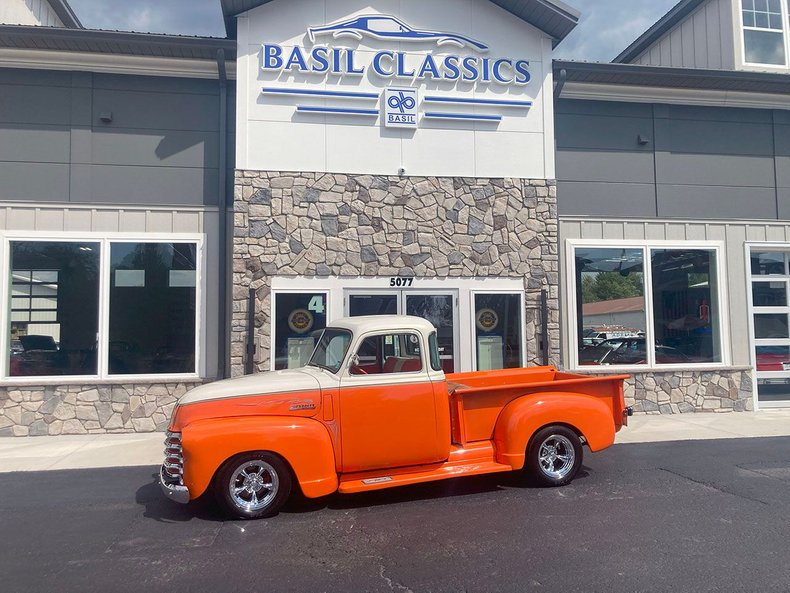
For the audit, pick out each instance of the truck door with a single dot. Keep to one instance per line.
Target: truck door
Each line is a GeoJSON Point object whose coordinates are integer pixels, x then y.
{"type": "Point", "coordinates": [387, 405]}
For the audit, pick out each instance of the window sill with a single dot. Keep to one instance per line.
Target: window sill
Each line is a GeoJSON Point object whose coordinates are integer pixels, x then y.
{"type": "Point", "coordinates": [700, 368]}
{"type": "Point", "coordinates": [120, 380]}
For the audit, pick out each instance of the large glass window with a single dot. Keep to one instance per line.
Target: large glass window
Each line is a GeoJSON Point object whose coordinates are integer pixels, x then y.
{"type": "Point", "coordinates": [614, 294]}
{"type": "Point", "coordinates": [57, 315]}
{"type": "Point", "coordinates": [153, 289]}
{"type": "Point", "coordinates": [763, 32]}
{"type": "Point", "coordinates": [54, 308]}
{"type": "Point", "coordinates": [498, 333]}
{"type": "Point", "coordinates": [299, 319]}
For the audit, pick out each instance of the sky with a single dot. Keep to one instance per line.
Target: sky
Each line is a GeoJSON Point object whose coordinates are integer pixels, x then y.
{"type": "Point", "coordinates": [606, 28]}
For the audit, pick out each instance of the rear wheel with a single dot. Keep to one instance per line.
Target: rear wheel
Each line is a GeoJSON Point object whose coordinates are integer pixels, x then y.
{"type": "Point", "coordinates": [554, 456]}
{"type": "Point", "coordinates": [253, 485]}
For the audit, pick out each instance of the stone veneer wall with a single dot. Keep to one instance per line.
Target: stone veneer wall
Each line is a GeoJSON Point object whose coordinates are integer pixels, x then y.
{"type": "Point", "coordinates": [87, 409]}
{"type": "Point", "coordinates": [683, 391]}
{"type": "Point", "coordinates": [316, 224]}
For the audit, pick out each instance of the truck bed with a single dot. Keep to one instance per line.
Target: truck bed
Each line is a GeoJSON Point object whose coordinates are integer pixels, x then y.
{"type": "Point", "coordinates": [477, 398]}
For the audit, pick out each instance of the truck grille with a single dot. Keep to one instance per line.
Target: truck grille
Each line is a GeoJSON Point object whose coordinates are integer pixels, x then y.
{"type": "Point", "coordinates": [173, 467]}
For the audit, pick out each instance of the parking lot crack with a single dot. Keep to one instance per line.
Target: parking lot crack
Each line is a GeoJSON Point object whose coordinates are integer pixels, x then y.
{"type": "Point", "coordinates": [713, 486]}
{"type": "Point", "coordinates": [392, 584]}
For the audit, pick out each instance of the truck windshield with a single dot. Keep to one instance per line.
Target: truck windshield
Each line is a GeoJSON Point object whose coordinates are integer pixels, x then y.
{"type": "Point", "coordinates": [331, 349]}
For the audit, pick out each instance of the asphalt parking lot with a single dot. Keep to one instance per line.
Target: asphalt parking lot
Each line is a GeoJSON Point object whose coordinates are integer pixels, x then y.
{"type": "Point", "coordinates": [680, 516]}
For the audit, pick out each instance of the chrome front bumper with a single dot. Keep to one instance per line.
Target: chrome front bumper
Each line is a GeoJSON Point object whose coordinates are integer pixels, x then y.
{"type": "Point", "coordinates": [171, 474]}
{"type": "Point", "coordinates": [175, 492]}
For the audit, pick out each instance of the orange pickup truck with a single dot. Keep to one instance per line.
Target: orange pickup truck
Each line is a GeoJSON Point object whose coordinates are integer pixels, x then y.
{"type": "Point", "coordinates": [373, 409]}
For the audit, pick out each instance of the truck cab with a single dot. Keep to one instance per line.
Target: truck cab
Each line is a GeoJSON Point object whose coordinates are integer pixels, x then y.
{"type": "Point", "coordinates": [373, 409]}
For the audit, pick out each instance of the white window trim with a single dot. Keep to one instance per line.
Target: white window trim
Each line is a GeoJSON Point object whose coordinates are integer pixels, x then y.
{"type": "Point", "coordinates": [337, 286]}
{"type": "Point", "coordinates": [740, 41]}
{"type": "Point", "coordinates": [750, 247]}
{"type": "Point", "coordinates": [105, 240]}
{"type": "Point", "coordinates": [571, 335]}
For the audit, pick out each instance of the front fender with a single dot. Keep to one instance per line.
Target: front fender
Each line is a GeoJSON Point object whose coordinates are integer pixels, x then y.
{"type": "Point", "coordinates": [523, 417]}
{"type": "Point", "coordinates": [304, 443]}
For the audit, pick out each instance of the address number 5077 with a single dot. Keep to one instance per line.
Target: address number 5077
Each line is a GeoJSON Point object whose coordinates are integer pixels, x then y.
{"type": "Point", "coordinates": [401, 282]}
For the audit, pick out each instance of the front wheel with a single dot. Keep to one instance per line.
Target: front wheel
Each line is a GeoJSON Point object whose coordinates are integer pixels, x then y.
{"type": "Point", "coordinates": [554, 456]}
{"type": "Point", "coordinates": [253, 485]}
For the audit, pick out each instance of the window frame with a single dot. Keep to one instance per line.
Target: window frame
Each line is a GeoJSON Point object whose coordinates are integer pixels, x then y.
{"type": "Point", "coordinates": [740, 36]}
{"type": "Point", "coordinates": [273, 312]}
{"type": "Point", "coordinates": [522, 325]}
{"type": "Point", "coordinates": [391, 332]}
{"type": "Point", "coordinates": [571, 334]}
{"type": "Point", "coordinates": [105, 240]}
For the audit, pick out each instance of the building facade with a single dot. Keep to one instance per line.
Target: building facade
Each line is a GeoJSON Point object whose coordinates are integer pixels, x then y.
{"type": "Point", "coordinates": [176, 210]}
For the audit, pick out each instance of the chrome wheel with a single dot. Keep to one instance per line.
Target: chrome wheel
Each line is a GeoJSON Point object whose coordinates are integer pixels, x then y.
{"type": "Point", "coordinates": [253, 485]}
{"type": "Point", "coordinates": [556, 456]}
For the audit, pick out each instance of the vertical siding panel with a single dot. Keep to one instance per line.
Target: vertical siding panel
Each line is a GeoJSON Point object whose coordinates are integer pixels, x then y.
{"type": "Point", "coordinates": [186, 222]}
{"type": "Point", "coordinates": [570, 229]}
{"type": "Point", "coordinates": [132, 221]}
{"type": "Point", "coordinates": [21, 219]}
{"type": "Point", "coordinates": [695, 232]}
{"type": "Point", "coordinates": [78, 221]}
{"type": "Point", "coordinates": [634, 231]}
{"type": "Point", "coordinates": [713, 22]}
{"type": "Point", "coordinates": [736, 293]}
{"type": "Point", "coordinates": [592, 230]}
{"type": "Point", "coordinates": [49, 219]}
{"type": "Point", "coordinates": [3, 218]}
{"type": "Point", "coordinates": [774, 233]}
{"type": "Point", "coordinates": [755, 232]}
{"type": "Point", "coordinates": [159, 222]}
{"type": "Point", "coordinates": [655, 231]}
{"type": "Point", "coordinates": [687, 41]}
{"type": "Point", "coordinates": [666, 54]}
{"type": "Point", "coordinates": [716, 232]}
{"type": "Point", "coordinates": [676, 232]}
{"type": "Point", "coordinates": [676, 49]}
{"type": "Point", "coordinates": [700, 39]}
{"type": "Point", "coordinates": [613, 230]}
{"type": "Point", "coordinates": [105, 221]}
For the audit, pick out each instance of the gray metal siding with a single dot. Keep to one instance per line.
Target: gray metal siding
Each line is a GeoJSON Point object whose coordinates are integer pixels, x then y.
{"type": "Point", "coordinates": [704, 39]}
{"type": "Point", "coordinates": [714, 163]}
{"type": "Point", "coordinates": [161, 148]}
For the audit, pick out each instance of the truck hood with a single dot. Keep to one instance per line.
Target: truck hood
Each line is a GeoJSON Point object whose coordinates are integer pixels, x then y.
{"type": "Point", "coordinates": [273, 388]}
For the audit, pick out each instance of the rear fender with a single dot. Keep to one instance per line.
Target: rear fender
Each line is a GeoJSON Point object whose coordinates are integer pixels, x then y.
{"type": "Point", "coordinates": [523, 417]}
{"type": "Point", "coordinates": [304, 443]}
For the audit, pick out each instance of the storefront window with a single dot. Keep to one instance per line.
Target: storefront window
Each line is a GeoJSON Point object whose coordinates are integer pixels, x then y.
{"type": "Point", "coordinates": [298, 321]}
{"type": "Point", "coordinates": [54, 308]}
{"type": "Point", "coordinates": [763, 32]}
{"type": "Point", "coordinates": [614, 295]}
{"type": "Point", "coordinates": [685, 304]}
{"type": "Point", "coordinates": [611, 306]}
{"type": "Point", "coordinates": [498, 331]}
{"type": "Point", "coordinates": [153, 293]}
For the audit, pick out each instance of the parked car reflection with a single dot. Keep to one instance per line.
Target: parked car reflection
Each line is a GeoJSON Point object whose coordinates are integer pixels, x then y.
{"type": "Point", "coordinates": [627, 351]}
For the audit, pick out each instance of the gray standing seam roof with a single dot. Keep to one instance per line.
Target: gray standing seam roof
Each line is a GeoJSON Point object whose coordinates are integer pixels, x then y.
{"type": "Point", "coordinates": [675, 78]}
{"type": "Point", "coordinates": [115, 42]}
{"type": "Point", "coordinates": [553, 17]}
{"type": "Point", "coordinates": [675, 15]}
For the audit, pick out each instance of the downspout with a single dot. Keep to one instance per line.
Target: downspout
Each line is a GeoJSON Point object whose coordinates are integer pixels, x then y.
{"type": "Point", "coordinates": [224, 283]}
{"type": "Point", "coordinates": [562, 76]}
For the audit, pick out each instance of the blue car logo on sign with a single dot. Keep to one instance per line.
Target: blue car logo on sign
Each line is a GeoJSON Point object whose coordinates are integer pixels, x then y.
{"type": "Point", "coordinates": [391, 28]}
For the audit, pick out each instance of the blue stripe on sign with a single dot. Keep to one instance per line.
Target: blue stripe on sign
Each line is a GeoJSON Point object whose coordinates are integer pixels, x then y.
{"type": "Point", "coordinates": [337, 110]}
{"type": "Point", "coordinates": [463, 116]}
{"type": "Point", "coordinates": [314, 93]}
{"type": "Point", "coordinates": [462, 101]}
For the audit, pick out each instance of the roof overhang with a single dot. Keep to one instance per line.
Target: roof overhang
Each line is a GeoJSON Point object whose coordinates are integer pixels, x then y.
{"type": "Point", "coordinates": [676, 14]}
{"type": "Point", "coordinates": [65, 14]}
{"type": "Point", "coordinates": [114, 42]}
{"type": "Point", "coordinates": [553, 17]}
{"type": "Point", "coordinates": [628, 82]}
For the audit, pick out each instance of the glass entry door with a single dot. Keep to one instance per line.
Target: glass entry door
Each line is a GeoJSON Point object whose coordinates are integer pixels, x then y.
{"type": "Point", "coordinates": [770, 285]}
{"type": "Point", "coordinates": [438, 307]}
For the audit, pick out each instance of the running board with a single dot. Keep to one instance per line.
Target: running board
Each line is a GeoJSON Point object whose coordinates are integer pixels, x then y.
{"type": "Point", "coordinates": [367, 481]}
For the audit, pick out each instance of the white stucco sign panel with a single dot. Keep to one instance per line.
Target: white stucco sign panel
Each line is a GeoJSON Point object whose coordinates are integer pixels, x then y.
{"type": "Point", "coordinates": [438, 87]}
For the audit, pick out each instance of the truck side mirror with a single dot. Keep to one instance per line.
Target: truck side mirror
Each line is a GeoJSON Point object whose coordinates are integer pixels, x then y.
{"type": "Point", "coordinates": [354, 362]}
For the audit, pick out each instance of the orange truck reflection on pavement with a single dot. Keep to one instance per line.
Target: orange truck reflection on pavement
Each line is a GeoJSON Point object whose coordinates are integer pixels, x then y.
{"type": "Point", "coordinates": [373, 409]}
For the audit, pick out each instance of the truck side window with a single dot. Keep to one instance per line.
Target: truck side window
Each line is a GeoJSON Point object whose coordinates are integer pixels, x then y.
{"type": "Point", "coordinates": [387, 354]}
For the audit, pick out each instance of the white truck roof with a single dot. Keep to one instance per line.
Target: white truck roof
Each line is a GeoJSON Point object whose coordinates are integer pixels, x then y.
{"type": "Point", "coordinates": [375, 323]}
